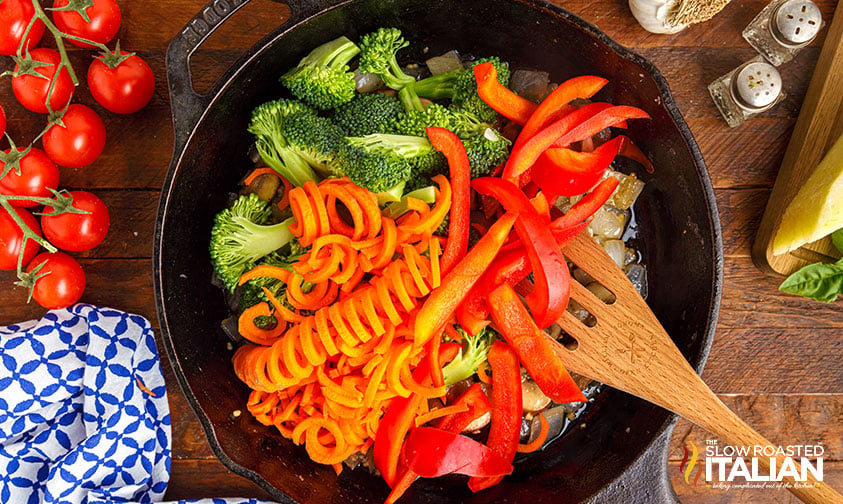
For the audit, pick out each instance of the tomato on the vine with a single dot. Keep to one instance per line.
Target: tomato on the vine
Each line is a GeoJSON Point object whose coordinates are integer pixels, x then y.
{"type": "Point", "coordinates": [61, 280]}
{"type": "Point", "coordinates": [77, 232]}
{"type": "Point", "coordinates": [38, 174]}
{"type": "Point", "coordinates": [80, 141]}
{"type": "Point", "coordinates": [104, 25]}
{"type": "Point", "coordinates": [11, 236]}
{"type": "Point", "coordinates": [15, 16]}
{"type": "Point", "coordinates": [123, 87]}
{"type": "Point", "coordinates": [31, 91]}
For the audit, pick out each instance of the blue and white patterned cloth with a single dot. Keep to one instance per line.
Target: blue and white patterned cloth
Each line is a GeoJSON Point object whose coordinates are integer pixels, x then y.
{"type": "Point", "coordinates": [83, 410]}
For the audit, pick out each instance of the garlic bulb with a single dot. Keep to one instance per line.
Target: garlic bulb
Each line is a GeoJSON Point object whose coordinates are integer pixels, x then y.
{"type": "Point", "coordinates": [652, 15]}
{"type": "Point", "coordinates": [673, 16]}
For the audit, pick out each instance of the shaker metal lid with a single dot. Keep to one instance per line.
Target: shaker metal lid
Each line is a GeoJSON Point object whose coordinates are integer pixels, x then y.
{"type": "Point", "coordinates": [796, 22]}
{"type": "Point", "coordinates": [756, 85]}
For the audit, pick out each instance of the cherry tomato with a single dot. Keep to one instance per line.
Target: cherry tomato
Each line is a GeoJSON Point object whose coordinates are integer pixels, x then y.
{"type": "Point", "coordinates": [14, 18]}
{"type": "Point", "coordinates": [38, 174]}
{"type": "Point", "coordinates": [2, 121]}
{"type": "Point", "coordinates": [77, 232]}
{"type": "Point", "coordinates": [11, 236]}
{"type": "Point", "coordinates": [104, 25]}
{"type": "Point", "coordinates": [63, 283]}
{"type": "Point", "coordinates": [124, 89]}
{"type": "Point", "coordinates": [80, 141]}
{"type": "Point", "coordinates": [31, 91]}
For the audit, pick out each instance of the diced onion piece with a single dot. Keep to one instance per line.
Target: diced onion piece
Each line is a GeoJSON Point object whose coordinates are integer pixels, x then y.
{"type": "Point", "coordinates": [607, 224]}
{"type": "Point", "coordinates": [444, 63]}
{"type": "Point", "coordinates": [615, 249]}
{"type": "Point", "coordinates": [367, 82]}
{"type": "Point", "coordinates": [637, 274]}
{"type": "Point", "coordinates": [627, 192]}
{"type": "Point", "coordinates": [530, 84]}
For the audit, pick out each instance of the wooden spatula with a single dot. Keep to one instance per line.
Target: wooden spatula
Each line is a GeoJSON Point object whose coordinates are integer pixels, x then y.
{"type": "Point", "coordinates": [629, 349]}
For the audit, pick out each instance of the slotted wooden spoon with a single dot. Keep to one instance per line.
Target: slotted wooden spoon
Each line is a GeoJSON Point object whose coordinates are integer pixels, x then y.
{"type": "Point", "coordinates": [629, 349]}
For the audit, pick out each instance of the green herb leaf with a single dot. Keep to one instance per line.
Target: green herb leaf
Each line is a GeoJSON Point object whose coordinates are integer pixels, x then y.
{"type": "Point", "coordinates": [819, 281]}
{"type": "Point", "coordinates": [837, 239]}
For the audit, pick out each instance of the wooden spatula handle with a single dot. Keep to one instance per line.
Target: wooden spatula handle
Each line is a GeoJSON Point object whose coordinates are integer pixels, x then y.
{"type": "Point", "coordinates": [708, 411]}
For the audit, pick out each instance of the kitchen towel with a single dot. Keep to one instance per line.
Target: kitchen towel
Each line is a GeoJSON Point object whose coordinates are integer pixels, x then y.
{"type": "Point", "coordinates": [83, 410]}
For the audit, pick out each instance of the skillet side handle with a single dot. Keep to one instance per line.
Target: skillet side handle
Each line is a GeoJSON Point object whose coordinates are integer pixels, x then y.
{"type": "Point", "coordinates": [646, 480]}
{"type": "Point", "coordinates": [188, 105]}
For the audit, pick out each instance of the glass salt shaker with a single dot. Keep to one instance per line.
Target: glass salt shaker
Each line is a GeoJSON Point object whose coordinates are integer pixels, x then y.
{"type": "Point", "coordinates": [782, 28]}
{"type": "Point", "coordinates": [747, 91]}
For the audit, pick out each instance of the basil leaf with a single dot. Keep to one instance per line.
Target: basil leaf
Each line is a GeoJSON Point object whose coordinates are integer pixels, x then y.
{"type": "Point", "coordinates": [837, 239]}
{"type": "Point", "coordinates": [819, 281]}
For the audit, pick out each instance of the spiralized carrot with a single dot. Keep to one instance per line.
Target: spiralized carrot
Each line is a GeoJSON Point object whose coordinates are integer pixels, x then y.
{"type": "Point", "coordinates": [342, 349]}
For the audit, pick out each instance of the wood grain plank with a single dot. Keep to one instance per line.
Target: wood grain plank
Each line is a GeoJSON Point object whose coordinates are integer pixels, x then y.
{"type": "Point", "coordinates": [786, 419]}
{"type": "Point", "coordinates": [751, 299]}
{"type": "Point", "coordinates": [775, 360]}
{"type": "Point", "coordinates": [124, 284]}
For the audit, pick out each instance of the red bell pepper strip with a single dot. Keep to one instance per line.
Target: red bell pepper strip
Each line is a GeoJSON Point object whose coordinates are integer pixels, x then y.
{"type": "Point", "coordinates": [478, 405]}
{"type": "Point", "coordinates": [565, 172]}
{"type": "Point", "coordinates": [431, 452]}
{"type": "Point", "coordinates": [450, 145]}
{"type": "Point", "coordinates": [534, 351]}
{"type": "Point", "coordinates": [554, 105]}
{"type": "Point", "coordinates": [550, 270]}
{"type": "Point", "coordinates": [499, 97]}
{"type": "Point", "coordinates": [443, 300]}
{"type": "Point", "coordinates": [630, 150]}
{"type": "Point", "coordinates": [578, 125]}
{"type": "Point", "coordinates": [587, 206]}
{"type": "Point", "coordinates": [505, 429]}
{"type": "Point", "coordinates": [400, 416]}
{"type": "Point", "coordinates": [614, 116]}
{"type": "Point", "coordinates": [523, 158]}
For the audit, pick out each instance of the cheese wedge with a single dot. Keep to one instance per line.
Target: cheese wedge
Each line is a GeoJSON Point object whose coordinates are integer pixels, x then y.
{"type": "Point", "coordinates": [817, 209]}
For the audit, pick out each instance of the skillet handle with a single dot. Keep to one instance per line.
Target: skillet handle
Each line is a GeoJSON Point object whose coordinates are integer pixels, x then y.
{"type": "Point", "coordinates": [188, 105]}
{"type": "Point", "coordinates": [646, 480]}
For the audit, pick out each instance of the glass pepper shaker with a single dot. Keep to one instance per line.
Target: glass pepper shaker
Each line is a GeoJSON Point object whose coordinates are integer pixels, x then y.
{"type": "Point", "coordinates": [783, 28]}
{"type": "Point", "coordinates": [747, 91]}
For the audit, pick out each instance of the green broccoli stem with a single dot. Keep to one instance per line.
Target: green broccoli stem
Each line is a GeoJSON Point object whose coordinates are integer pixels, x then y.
{"type": "Point", "coordinates": [333, 54]}
{"type": "Point", "coordinates": [399, 208]}
{"type": "Point", "coordinates": [410, 99]}
{"type": "Point", "coordinates": [437, 87]}
{"type": "Point", "coordinates": [265, 239]}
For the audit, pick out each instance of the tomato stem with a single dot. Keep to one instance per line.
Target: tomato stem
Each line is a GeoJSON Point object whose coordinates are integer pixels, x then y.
{"type": "Point", "coordinates": [28, 233]}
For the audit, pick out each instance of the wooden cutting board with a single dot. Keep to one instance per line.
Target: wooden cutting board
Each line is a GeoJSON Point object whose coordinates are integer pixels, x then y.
{"type": "Point", "coordinates": [819, 125]}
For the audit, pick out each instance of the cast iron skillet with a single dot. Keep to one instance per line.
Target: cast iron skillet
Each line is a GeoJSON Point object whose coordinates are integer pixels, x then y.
{"type": "Point", "coordinates": [621, 453]}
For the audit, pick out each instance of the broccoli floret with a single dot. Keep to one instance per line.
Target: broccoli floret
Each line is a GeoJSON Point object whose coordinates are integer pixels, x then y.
{"type": "Point", "coordinates": [368, 113]}
{"type": "Point", "coordinates": [372, 163]}
{"type": "Point", "coordinates": [486, 151]}
{"type": "Point", "coordinates": [242, 235]}
{"type": "Point", "coordinates": [378, 55]}
{"type": "Point", "coordinates": [321, 79]}
{"type": "Point", "coordinates": [415, 156]}
{"type": "Point", "coordinates": [465, 95]}
{"type": "Point", "coordinates": [469, 358]}
{"type": "Point", "coordinates": [266, 125]}
{"type": "Point", "coordinates": [415, 122]}
{"type": "Point", "coordinates": [317, 140]}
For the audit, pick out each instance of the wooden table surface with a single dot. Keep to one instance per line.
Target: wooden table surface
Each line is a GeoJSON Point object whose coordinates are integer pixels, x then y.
{"type": "Point", "coordinates": [776, 359]}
